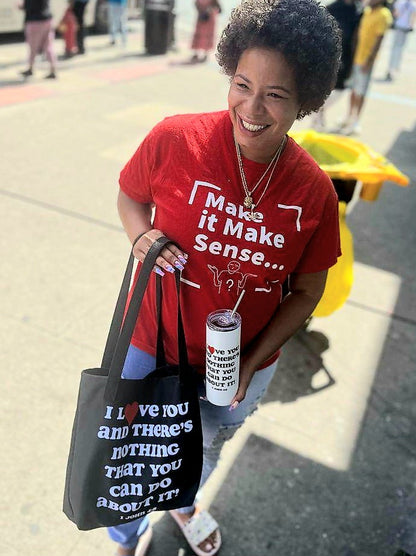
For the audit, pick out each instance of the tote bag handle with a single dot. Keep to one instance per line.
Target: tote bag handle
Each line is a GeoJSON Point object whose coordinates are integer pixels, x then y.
{"type": "Point", "coordinates": [120, 333]}
{"type": "Point", "coordinates": [160, 350]}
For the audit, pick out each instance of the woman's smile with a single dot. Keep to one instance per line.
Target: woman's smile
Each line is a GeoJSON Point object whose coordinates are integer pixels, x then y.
{"type": "Point", "coordinates": [251, 127]}
{"type": "Point", "coordinates": [262, 102]}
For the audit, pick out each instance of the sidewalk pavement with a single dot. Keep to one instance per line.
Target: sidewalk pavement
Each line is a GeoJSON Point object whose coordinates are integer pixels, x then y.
{"type": "Point", "coordinates": [326, 465]}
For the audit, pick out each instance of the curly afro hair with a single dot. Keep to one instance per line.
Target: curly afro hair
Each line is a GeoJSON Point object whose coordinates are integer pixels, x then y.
{"type": "Point", "coordinates": [301, 30]}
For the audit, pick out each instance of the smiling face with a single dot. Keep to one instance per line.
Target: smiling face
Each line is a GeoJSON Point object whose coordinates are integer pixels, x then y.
{"type": "Point", "coordinates": [262, 102]}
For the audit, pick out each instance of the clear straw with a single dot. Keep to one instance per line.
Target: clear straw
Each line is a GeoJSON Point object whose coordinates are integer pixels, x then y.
{"type": "Point", "coordinates": [237, 304]}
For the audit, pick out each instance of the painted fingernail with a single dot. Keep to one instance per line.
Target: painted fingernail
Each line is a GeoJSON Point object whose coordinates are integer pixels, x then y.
{"type": "Point", "coordinates": [158, 271]}
{"type": "Point", "coordinates": [178, 265]}
{"type": "Point", "coordinates": [233, 406]}
{"type": "Point", "coordinates": [169, 268]}
{"type": "Point", "coordinates": [182, 259]}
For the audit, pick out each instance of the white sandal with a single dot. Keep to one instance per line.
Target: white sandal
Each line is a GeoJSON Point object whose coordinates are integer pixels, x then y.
{"type": "Point", "coordinates": [197, 529]}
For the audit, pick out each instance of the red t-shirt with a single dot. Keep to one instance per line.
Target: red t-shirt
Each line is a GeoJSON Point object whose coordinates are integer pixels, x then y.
{"type": "Point", "coordinates": [187, 166]}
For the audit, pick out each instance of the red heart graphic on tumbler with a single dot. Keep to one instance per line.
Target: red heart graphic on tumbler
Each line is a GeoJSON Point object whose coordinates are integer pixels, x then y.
{"type": "Point", "coordinates": [211, 349]}
{"type": "Point", "coordinates": [130, 411]}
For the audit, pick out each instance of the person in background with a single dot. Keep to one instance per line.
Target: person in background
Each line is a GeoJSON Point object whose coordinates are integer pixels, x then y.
{"type": "Point", "coordinates": [68, 27]}
{"type": "Point", "coordinates": [404, 12]}
{"type": "Point", "coordinates": [39, 34]}
{"type": "Point", "coordinates": [234, 192]}
{"type": "Point", "coordinates": [374, 23]}
{"type": "Point", "coordinates": [204, 35]}
{"type": "Point", "coordinates": [347, 14]}
{"type": "Point", "coordinates": [117, 20]}
{"type": "Point", "coordinates": [79, 10]}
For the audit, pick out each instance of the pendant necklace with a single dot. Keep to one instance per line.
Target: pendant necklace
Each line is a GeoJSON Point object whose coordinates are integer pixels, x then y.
{"type": "Point", "coordinates": [248, 199]}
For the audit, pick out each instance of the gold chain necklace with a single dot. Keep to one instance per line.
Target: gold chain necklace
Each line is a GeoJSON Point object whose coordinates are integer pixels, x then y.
{"type": "Point", "coordinates": [248, 200]}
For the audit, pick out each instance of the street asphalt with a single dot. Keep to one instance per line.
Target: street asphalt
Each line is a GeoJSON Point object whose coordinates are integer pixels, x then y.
{"type": "Point", "coordinates": [326, 466]}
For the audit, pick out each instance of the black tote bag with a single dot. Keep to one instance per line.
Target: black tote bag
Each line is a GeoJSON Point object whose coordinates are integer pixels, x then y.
{"type": "Point", "coordinates": [136, 445]}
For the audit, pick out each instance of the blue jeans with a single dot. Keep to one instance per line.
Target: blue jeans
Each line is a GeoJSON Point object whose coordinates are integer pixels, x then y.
{"type": "Point", "coordinates": [218, 425]}
{"type": "Point", "coordinates": [117, 13]}
{"type": "Point", "coordinates": [399, 42]}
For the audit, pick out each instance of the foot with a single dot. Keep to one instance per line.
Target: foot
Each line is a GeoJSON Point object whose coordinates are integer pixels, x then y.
{"type": "Point", "coordinates": [208, 544]}
{"type": "Point", "coordinates": [389, 77]}
{"type": "Point", "coordinates": [319, 127]}
{"type": "Point", "coordinates": [194, 59]}
{"type": "Point", "coordinates": [353, 128]}
{"type": "Point", "coordinates": [27, 73]}
{"type": "Point", "coordinates": [341, 126]}
{"type": "Point", "coordinates": [51, 75]}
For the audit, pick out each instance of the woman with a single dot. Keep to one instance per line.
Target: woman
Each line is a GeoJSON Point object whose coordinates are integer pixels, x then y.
{"type": "Point", "coordinates": [39, 34]}
{"type": "Point", "coordinates": [232, 187]}
{"type": "Point", "coordinates": [203, 39]}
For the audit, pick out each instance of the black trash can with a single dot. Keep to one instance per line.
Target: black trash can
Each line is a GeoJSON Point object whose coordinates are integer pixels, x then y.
{"type": "Point", "coordinates": [158, 20]}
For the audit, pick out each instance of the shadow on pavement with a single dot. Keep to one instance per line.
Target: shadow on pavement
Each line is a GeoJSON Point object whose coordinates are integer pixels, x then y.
{"type": "Point", "coordinates": [13, 83]}
{"type": "Point", "coordinates": [302, 371]}
{"type": "Point", "coordinates": [275, 501]}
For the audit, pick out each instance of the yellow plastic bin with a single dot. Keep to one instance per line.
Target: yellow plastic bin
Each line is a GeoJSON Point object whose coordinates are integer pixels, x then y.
{"type": "Point", "coordinates": [341, 275]}
{"type": "Point", "coordinates": [344, 158]}
{"type": "Point", "coordinates": [346, 161]}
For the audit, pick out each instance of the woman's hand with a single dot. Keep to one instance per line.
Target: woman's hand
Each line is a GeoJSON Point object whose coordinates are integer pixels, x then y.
{"type": "Point", "coordinates": [137, 218]}
{"type": "Point", "coordinates": [246, 374]}
{"type": "Point", "coordinates": [171, 257]}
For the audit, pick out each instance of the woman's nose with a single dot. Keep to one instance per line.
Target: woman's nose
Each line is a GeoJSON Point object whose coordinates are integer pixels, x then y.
{"type": "Point", "coordinates": [256, 105]}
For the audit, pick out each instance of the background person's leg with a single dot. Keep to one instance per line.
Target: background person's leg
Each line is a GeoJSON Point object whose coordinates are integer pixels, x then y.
{"type": "Point", "coordinates": [123, 24]}
{"type": "Point", "coordinates": [401, 41]}
{"type": "Point", "coordinates": [79, 8]}
{"type": "Point", "coordinates": [112, 17]}
{"type": "Point", "coordinates": [34, 37]}
{"type": "Point", "coordinates": [49, 48]}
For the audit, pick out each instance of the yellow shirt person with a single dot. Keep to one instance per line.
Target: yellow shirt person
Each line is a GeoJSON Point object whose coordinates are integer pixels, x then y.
{"type": "Point", "coordinates": [374, 23]}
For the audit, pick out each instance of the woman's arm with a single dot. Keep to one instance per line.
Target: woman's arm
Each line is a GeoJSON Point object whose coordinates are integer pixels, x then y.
{"type": "Point", "coordinates": [372, 56]}
{"type": "Point", "coordinates": [305, 292]}
{"type": "Point", "coordinates": [137, 219]}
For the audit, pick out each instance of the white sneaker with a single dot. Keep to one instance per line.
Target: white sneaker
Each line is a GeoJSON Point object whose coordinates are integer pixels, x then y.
{"type": "Point", "coordinates": [319, 127]}
{"type": "Point", "coordinates": [353, 128]}
{"type": "Point", "coordinates": [340, 126]}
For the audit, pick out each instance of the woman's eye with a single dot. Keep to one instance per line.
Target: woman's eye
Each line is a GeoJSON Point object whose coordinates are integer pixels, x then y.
{"type": "Point", "coordinates": [241, 85]}
{"type": "Point", "coordinates": [275, 95]}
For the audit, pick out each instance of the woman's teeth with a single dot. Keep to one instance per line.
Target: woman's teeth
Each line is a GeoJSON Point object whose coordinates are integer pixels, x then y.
{"type": "Point", "coordinates": [252, 127]}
